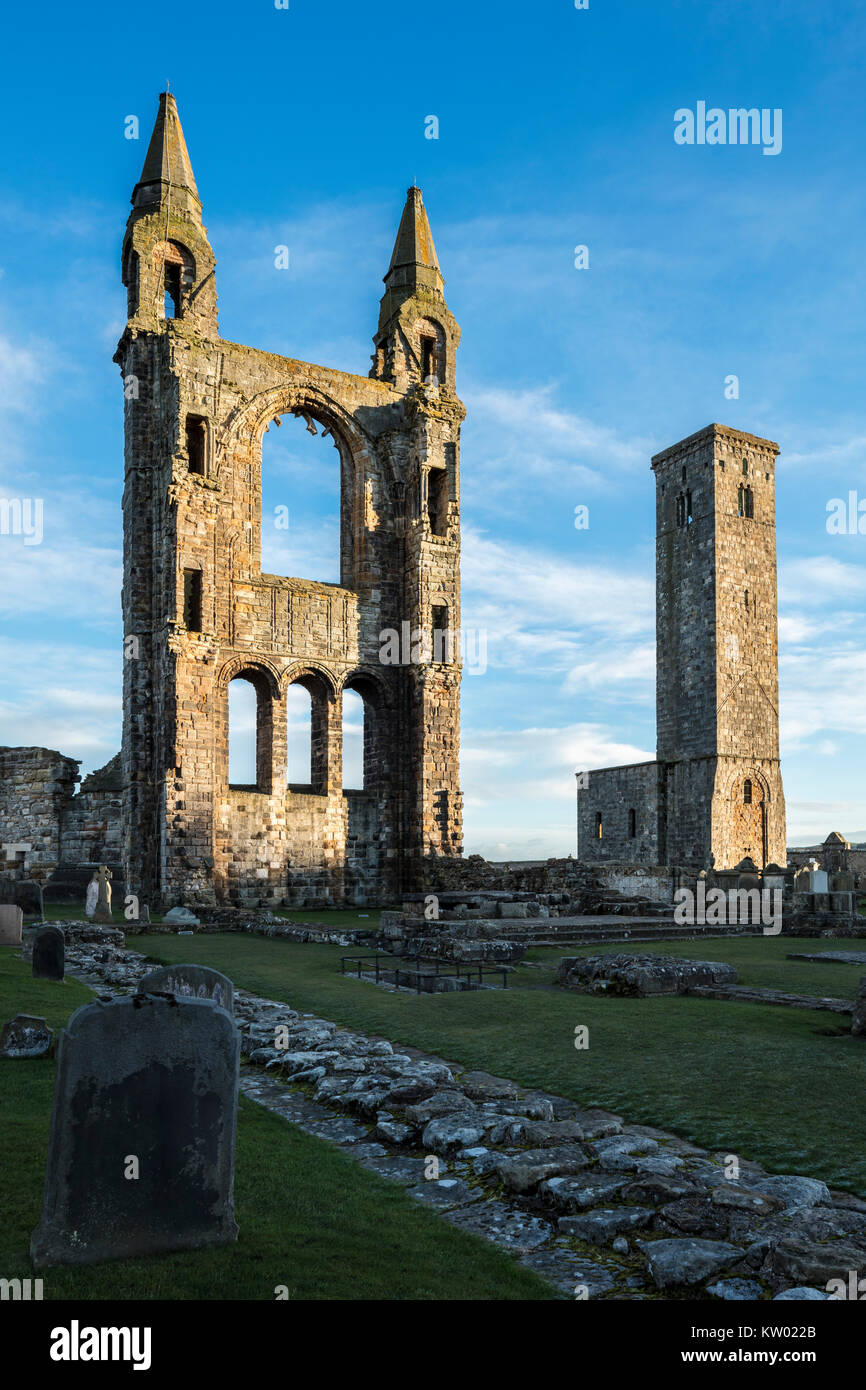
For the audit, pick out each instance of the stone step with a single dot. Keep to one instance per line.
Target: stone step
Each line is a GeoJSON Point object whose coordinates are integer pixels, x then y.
{"type": "Point", "coordinates": [749, 994]}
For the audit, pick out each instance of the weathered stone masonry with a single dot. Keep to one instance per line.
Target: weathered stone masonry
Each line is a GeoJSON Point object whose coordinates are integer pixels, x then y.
{"type": "Point", "coordinates": [198, 611]}
{"type": "Point", "coordinates": [716, 787]}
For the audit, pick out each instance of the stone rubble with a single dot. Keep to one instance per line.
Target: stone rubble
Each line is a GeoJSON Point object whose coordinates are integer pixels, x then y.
{"type": "Point", "coordinates": [598, 1207]}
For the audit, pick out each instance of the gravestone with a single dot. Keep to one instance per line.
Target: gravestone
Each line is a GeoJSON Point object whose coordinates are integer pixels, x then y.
{"type": "Point", "coordinates": [25, 1036]}
{"type": "Point", "coordinates": [102, 911]}
{"type": "Point", "coordinates": [11, 922]}
{"type": "Point", "coordinates": [195, 981]}
{"type": "Point", "coordinates": [25, 893]}
{"type": "Point", "coordinates": [49, 954]}
{"type": "Point", "coordinates": [146, 1085]}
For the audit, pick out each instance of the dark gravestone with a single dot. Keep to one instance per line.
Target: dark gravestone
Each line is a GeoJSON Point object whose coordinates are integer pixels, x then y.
{"type": "Point", "coordinates": [190, 981]}
{"type": "Point", "coordinates": [26, 1036]}
{"type": "Point", "coordinates": [151, 1079]}
{"type": "Point", "coordinates": [49, 954]}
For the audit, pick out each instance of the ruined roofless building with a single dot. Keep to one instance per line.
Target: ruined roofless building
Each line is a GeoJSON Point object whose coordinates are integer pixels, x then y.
{"type": "Point", "coordinates": [716, 787]}
{"type": "Point", "coordinates": [199, 613]}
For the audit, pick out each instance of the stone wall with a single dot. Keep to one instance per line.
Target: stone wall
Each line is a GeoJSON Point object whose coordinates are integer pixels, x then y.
{"type": "Point", "coordinates": [39, 808]}
{"type": "Point", "coordinates": [618, 815]}
{"type": "Point", "coordinates": [36, 784]}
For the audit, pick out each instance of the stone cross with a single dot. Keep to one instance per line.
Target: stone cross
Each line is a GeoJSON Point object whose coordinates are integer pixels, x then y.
{"type": "Point", "coordinates": [102, 912]}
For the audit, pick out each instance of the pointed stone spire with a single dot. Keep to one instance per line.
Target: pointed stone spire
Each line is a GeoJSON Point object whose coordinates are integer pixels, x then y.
{"type": "Point", "coordinates": [167, 163]}
{"type": "Point", "coordinates": [414, 266]}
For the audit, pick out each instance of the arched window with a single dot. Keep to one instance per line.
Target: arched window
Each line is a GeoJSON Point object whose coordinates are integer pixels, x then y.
{"type": "Point", "coordinates": [747, 792]}
{"type": "Point", "coordinates": [176, 268]}
{"type": "Point", "coordinates": [301, 488]}
{"type": "Point", "coordinates": [250, 731]}
{"type": "Point", "coordinates": [299, 715]}
{"type": "Point", "coordinates": [431, 351]}
{"type": "Point", "coordinates": [745, 501]}
{"type": "Point", "coordinates": [353, 740]}
{"type": "Point", "coordinates": [243, 770]}
{"type": "Point", "coordinates": [632, 825]}
{"type": "Point", "coordinates": [365, 735]}
{"type": "Point", "coordinates": [308, 701]}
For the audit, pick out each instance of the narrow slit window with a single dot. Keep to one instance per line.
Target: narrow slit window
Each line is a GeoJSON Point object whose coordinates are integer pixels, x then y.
{"type": "Point", "coordinates": [440, 633]}
{"type": "Point", "coordinates": [747, 793]}
{"type": "Point", "coordinates": [437, 500]}
{"type": "Point", "coordinates": [196, 443]}
{"type": "Point", "coordinates": [632, 825]}
{"type": "Point", "coordinates": [172, 287]}
{"type": "Point", "coordinates": [429, 367]}
{"type": "Point", "coordinates": [192, 605]}
{"type": "Point", "coordinates": [599, 827]}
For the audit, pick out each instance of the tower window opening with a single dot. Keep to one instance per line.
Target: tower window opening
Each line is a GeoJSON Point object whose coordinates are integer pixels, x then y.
{"type": "Point", "coordinates": [681, 510]}
{"type": "Point", "coordinates": [192, 600]}
{"type": "Point", "coordinates": [746, 598]}
{"type": "Point", "coordinates": [632, 825]}
{"type": "Point", "coordinates": [684, 474]}
{"type": "Point", "coordinates": [437, 500]}
{"type": "Point", "coordinates": [172, 288]}
{"type": "Point", "coordinates": [196, 443]}
{"type": "Point", "coordinates": [745, 501]}
{"type": "Point", "coordinates": [599, 828]}
{"type": "Point", "coordinates": [441, 636]}
{"type": "Point", "coordinates": [745, 468]}
{"type": "Point", "coordinates": [747, 792]}
{"type": "Point", "coordinates": [429, 366]}
{"type": "Point", "coordinates": [689, 509]}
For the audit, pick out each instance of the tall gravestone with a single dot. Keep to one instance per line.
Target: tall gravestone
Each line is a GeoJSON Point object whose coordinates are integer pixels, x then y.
{"type": "Point", "coordinates": [102, 911]}
{"type": "Point", "coordinates": [195, 981]}
{"type": "Point", "coordinates": [11, 922]}
{"type": "Point", "coordinates": [49, 954]}
{"type": "Point", "coordinates": [141, 1153]}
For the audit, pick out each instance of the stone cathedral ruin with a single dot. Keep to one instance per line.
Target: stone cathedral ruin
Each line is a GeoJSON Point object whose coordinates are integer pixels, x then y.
{"type": "Point", "coordinates": [199, 614]}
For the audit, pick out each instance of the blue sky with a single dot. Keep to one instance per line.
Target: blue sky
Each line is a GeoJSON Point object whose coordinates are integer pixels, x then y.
{"type": "Point", "coordinates": [305, 127]}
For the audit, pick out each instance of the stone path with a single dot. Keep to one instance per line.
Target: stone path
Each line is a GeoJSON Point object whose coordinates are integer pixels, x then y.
{"type": "Point", "coordinates": [598, 1207]}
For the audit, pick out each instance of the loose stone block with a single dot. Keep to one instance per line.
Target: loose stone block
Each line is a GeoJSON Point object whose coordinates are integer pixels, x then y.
{"type": "Point", "coordinates": [640, 974]}
{"type": "Point", "coordinates": [11, 923]}
{"type": "Point", "coordinates": [25, 1036]}
{"type": "Point", "coordinates": [191, 981]}
{"type": "Point", "coordinates": [49, 954]}
{"type": "Point", "coordinates": [151, 1079]}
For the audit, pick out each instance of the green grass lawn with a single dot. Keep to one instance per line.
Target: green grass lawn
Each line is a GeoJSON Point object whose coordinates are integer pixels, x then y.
{"type": "Point", "coordinates": [310, 1217]}
{"type": "Point", "coordinates": [782, 1086]}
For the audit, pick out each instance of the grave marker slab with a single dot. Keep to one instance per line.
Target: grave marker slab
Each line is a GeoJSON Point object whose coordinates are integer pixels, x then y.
{"type": "Point", "coordinates": [154, 1079]}
{"type": "Point", "coordinates": [191, 981]}
{"type": "Point", "coordinates": [11, 922]}
{"type": "Point", "coordinates": [49, 954]}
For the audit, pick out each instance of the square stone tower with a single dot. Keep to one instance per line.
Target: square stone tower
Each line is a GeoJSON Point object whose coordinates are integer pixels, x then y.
{"type": "Point", "coordinates": [717, 663]}
{"type": "Point", "coordinates": [199, 613]}
{"type": "Point", "coordinates": [714, 793]}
